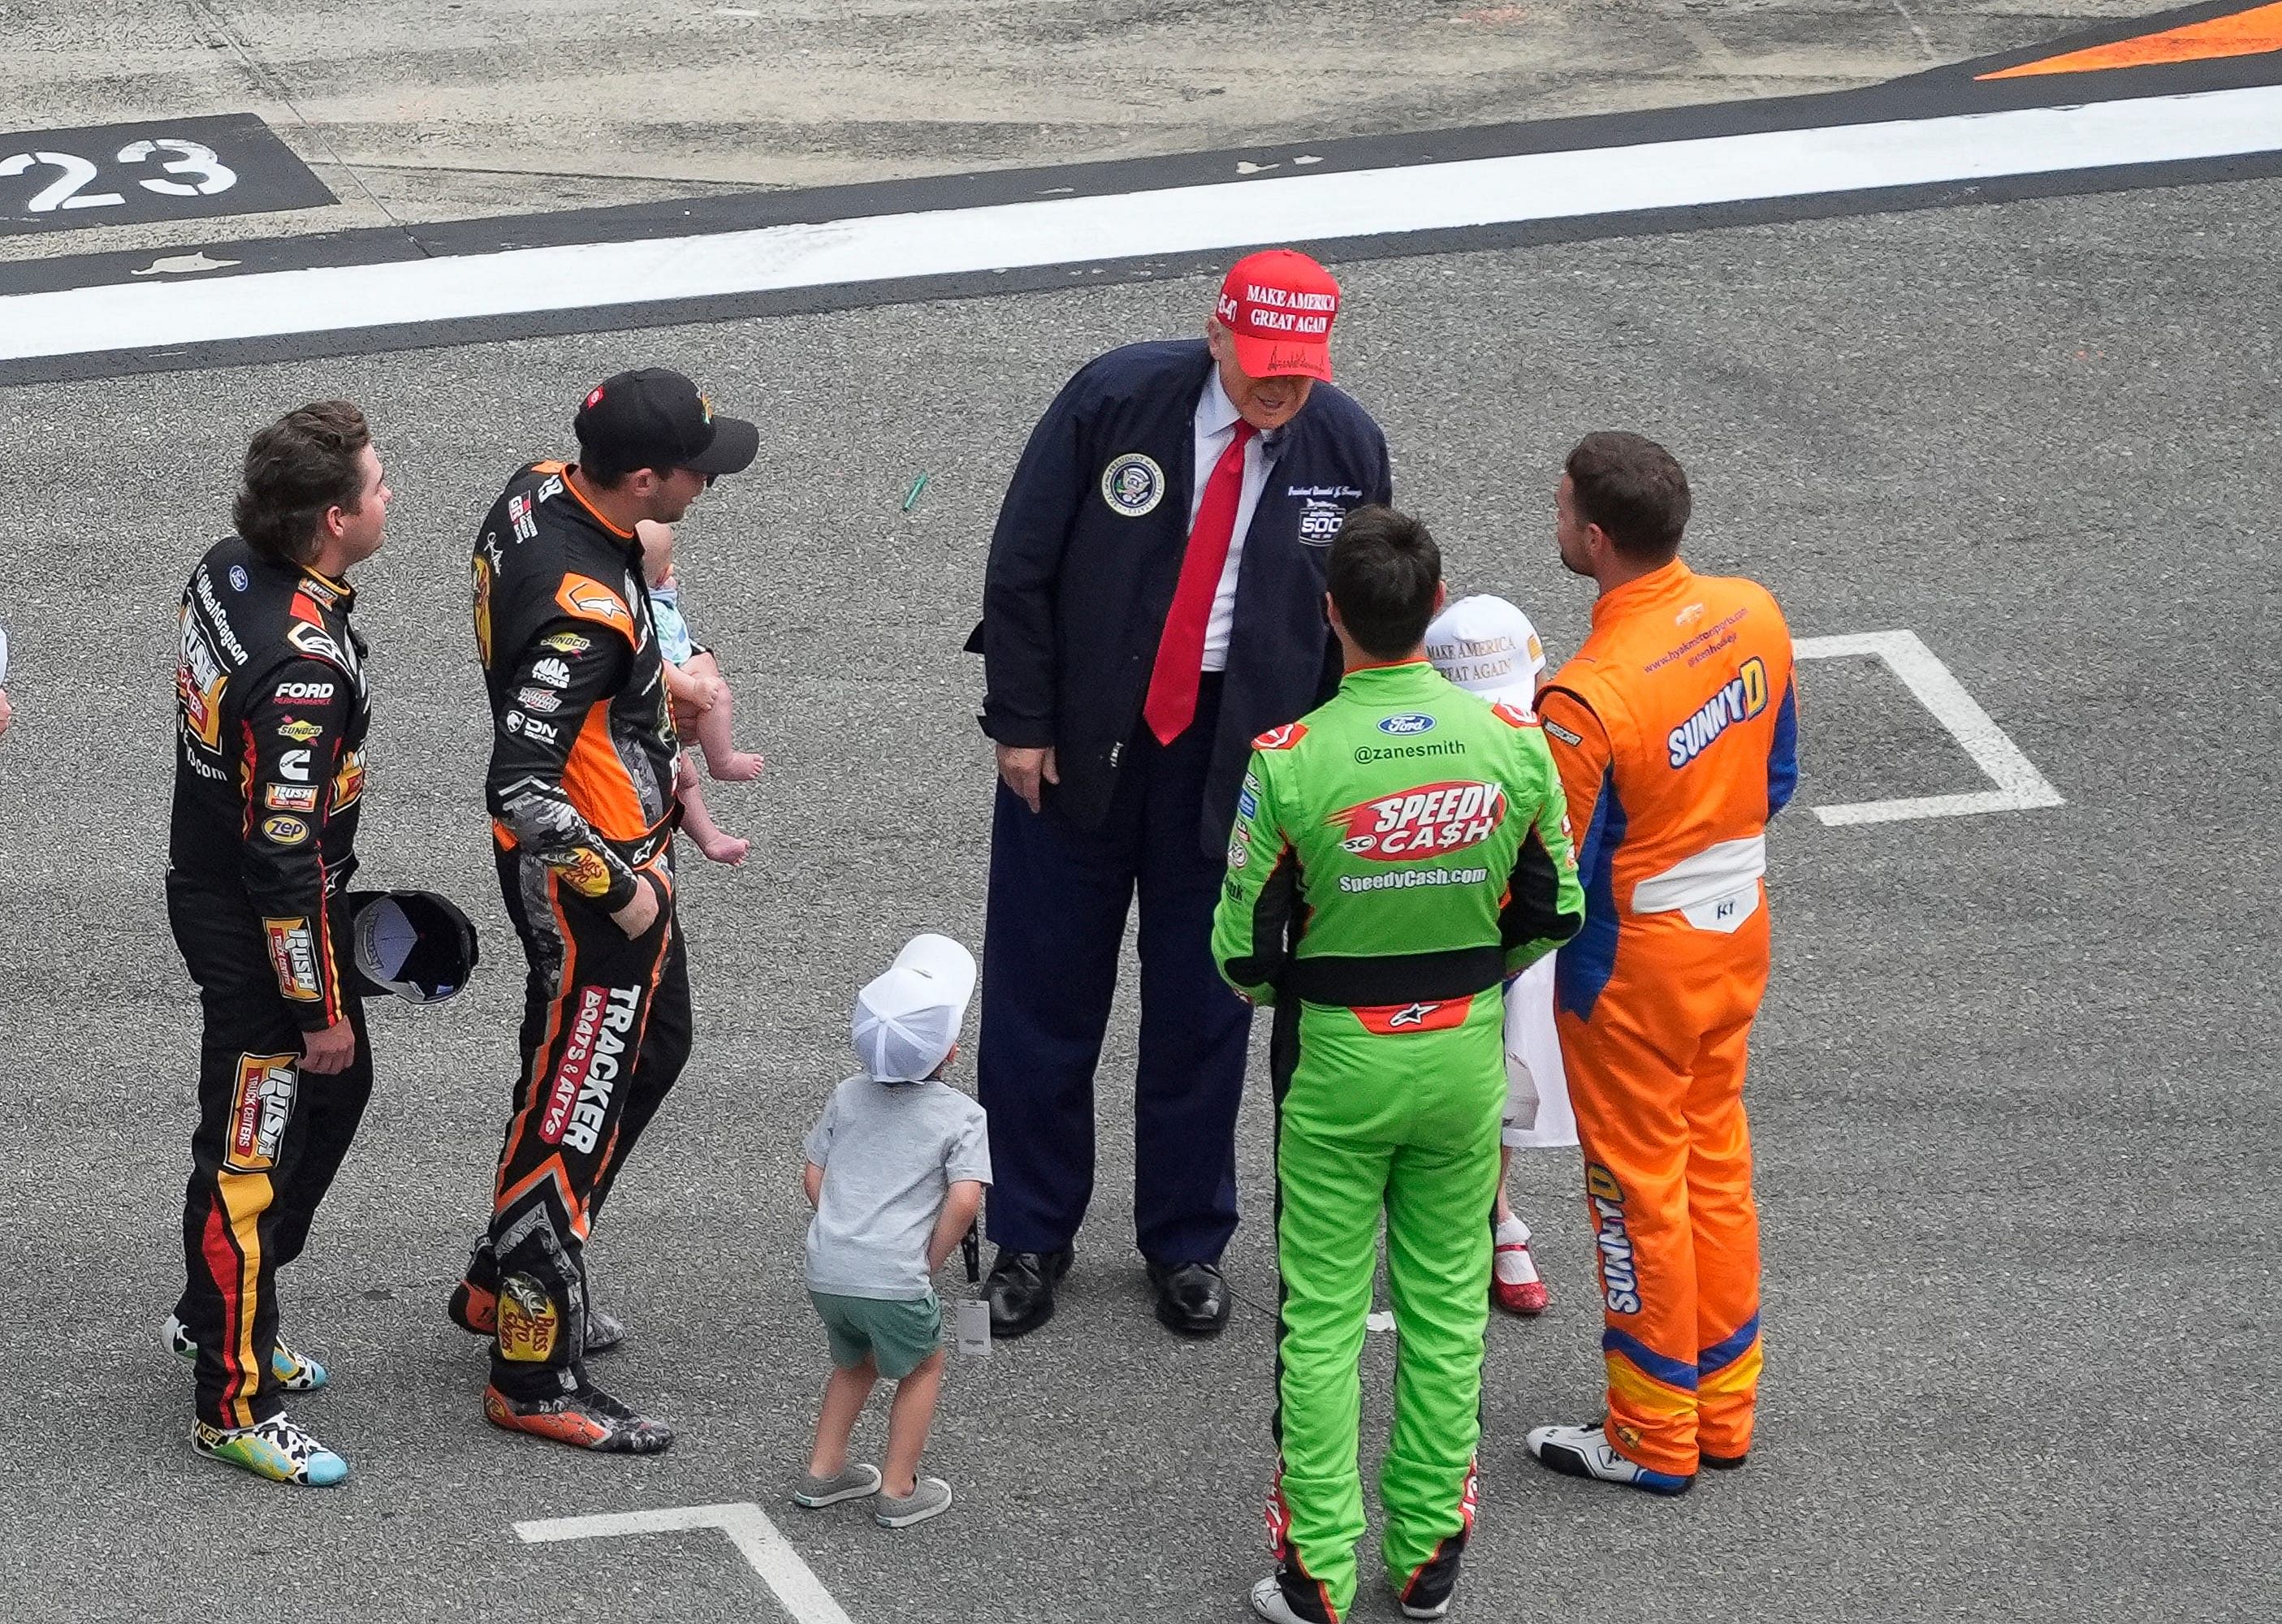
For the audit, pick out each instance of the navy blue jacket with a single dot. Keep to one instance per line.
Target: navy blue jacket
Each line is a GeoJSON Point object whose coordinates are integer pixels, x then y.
{"type": "Point", "coordinates": [1088, 552]}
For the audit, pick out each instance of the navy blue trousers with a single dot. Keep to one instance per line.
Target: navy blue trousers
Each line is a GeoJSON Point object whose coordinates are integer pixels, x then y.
{"type": "Point", "coordinates": [1055, 931]}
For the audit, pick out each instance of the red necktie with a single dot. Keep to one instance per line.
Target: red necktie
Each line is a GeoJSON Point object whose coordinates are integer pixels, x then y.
{"type": "Point", "coordinates": [1172, 703]}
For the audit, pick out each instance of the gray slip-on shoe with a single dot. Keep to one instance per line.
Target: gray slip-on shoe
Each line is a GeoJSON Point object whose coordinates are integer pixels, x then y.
{"type": "Point", "coordinates": [930, 1497]}
{"type": "Point", "coordinates": [853, 1482]}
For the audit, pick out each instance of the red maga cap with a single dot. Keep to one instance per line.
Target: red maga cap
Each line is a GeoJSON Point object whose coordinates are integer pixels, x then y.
{"type": "Point", "coordinates": [1278, 305]}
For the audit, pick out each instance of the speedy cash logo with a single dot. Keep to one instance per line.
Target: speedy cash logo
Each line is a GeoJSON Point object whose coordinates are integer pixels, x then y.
{"type": "Point", "coordinates": [1422, 822]}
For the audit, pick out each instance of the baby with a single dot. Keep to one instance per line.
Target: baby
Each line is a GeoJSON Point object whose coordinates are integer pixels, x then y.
{"type": "Point", "coordinates": [693, 680]}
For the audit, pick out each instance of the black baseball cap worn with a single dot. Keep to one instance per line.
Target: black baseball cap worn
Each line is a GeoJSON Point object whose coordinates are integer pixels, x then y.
{"type": "Point", "coordinates": [653, 417]}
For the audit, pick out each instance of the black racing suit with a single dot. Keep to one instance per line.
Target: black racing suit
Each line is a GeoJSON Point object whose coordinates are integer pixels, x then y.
{"type": "Point", "coordinates": [270, 766]}
{"type": "Point", "coordinates": [581, 795]}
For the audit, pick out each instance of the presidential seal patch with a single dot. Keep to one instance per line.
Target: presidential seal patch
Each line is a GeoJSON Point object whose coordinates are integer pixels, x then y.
{"type": "Point", "coordinates": [1133, 485]}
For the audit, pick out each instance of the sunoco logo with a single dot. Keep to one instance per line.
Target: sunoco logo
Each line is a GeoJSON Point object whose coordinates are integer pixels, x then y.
{"type": "Point", "coordinates": [1419, 823]}
{"type": "Point", "coordinates": [577, 1104]}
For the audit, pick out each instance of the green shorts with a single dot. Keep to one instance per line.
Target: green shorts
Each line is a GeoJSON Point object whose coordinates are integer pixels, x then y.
{"type": "Point", "coordinates": [898, 1334]}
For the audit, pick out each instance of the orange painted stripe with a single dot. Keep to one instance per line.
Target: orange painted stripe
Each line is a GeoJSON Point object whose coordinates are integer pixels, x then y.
{"type": "Point", "coordinates": [2242, 33]}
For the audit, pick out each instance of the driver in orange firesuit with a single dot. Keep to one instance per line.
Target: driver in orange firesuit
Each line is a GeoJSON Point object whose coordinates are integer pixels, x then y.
{"type": "Point", "coordinates": [1675, 732]}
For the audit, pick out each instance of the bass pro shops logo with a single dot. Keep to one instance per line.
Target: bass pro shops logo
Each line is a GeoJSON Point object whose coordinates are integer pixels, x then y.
{"type": "Point", "coordinates": [578, 1102]}
{"type": "Point", "coordinates": [1620, 1280]}
{"type": "Point", "coordinates": [1421, 823]}
{"type": "Point", "coordinates": [528, 1321]}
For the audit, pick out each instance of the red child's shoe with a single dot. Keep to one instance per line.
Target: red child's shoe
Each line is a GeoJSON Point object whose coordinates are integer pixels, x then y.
{"type": "Point", "coordinates": [1514, 1285]}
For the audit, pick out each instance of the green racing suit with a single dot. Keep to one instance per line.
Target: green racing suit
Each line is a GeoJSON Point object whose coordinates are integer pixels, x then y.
{"type": "Point", "coordinates": [1397, 854]}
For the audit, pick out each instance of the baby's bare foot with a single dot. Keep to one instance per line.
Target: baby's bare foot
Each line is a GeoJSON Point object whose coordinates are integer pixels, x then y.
{"type": "Point", "coordinates": [722, 848]}
{"type": "Point", "coordinates": [737, 767]}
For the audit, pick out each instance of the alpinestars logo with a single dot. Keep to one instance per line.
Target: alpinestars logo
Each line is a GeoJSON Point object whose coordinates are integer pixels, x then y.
{"type": "Point", "coordinates": [1422, 822]}
{"type": "Point", "coordinates": [579, 1101]}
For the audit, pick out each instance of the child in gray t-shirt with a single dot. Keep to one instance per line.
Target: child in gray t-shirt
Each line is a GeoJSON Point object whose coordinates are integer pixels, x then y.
{"type": "Point", "coordinates": [896, 1167]}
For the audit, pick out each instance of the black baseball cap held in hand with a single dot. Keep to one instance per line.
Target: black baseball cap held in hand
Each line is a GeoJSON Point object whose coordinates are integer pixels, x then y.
{"type": "Point", "coordinates": [416, 944]}
{"type": "Point", "coordinates": [653, 417]}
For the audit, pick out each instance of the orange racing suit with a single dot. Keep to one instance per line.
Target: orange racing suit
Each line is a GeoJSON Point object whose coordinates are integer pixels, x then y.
{"type": "Point", "coordinates": [1675, 732]}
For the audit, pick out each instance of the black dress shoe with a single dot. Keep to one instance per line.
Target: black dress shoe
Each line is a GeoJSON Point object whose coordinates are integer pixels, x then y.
{"type": "Point", "coordinates": [1191, 1298]}
{"type": "Point", "coordinates": [1021, 1290]}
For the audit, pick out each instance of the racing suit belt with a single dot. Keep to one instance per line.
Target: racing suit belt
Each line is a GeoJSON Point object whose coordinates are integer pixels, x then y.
{"type": "Point", "coordinates": [1393, 978]}
{"type": "Point", "coordinates": [1726, 872]}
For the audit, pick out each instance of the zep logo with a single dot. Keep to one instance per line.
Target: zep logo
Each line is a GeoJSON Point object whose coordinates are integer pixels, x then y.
{"type": "Point", "coordinates": [1424, 822]}
{"type": "Point", "coordinates": [1742, 697]}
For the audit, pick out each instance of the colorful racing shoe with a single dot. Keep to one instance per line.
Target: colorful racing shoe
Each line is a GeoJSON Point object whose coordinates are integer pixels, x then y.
{"type": "Point", "coordinates": [277, 1449]}
{"type": "Point", "coordinates": [1586, 1452]}
{"type": "Point", "coordinates": [586, 1419]}
{"type": "Point", "coordinates": [296, 1372]}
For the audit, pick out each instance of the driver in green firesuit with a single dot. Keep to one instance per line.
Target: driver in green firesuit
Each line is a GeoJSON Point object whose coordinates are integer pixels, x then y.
{"type": "Point", "coordinates": [1398, 853]}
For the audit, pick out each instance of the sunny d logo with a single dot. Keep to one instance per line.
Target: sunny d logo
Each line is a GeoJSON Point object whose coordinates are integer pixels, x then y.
{"type": "Point", "coordinates": [1739, 699]}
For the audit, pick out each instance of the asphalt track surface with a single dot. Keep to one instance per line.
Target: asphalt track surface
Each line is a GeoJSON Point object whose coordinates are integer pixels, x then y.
{"type": "Point", "coordinates": [2015, 1128]}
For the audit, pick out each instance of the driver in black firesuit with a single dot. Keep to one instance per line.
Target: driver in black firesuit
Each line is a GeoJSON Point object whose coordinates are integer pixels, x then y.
{"type": "Point", "coordinates": [268, 769]}
{"type": "Point", "coordinates": [581, 795]}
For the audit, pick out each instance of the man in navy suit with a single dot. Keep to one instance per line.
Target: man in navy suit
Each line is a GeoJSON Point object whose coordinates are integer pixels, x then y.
{"type": "Point", "coordinates": [1154, 599]}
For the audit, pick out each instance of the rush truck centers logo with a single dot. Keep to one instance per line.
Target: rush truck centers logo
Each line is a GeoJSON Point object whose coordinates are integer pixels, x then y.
{"type": "Point", "coordinates": [260, 1111]}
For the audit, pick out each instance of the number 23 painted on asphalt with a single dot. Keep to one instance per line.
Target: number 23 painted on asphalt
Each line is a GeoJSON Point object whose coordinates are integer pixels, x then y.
{"type": "Point", "coordinates": [189, 159]}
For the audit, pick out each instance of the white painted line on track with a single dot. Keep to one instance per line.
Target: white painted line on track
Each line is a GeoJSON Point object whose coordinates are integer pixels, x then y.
{"type": "Point", "coordinates": [749, 1528]}
{"type": "Point", "coordinates": [2019, 787]}
{"type": "Point", "coordinates": [1474, 192]}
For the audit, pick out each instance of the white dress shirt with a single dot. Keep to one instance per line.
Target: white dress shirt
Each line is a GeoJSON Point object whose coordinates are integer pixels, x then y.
{"type": "Point", "coordinates": [1215, 425]}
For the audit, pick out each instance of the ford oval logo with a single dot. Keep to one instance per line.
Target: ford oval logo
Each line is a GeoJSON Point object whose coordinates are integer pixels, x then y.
{"type": "Point", "coordinates": [1408, 722]}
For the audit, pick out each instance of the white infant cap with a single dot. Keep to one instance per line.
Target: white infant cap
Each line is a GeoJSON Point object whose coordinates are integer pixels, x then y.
{"type": "Point", "coordinates": [907, 1020]}
{"type": "Point", "coordinates": [1487, 646]}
